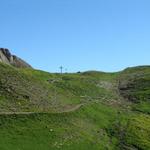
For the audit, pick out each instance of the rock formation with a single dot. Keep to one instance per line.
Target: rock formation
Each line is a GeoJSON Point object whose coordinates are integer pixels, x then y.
{"type": "Point", "coordinates": [8, 58]}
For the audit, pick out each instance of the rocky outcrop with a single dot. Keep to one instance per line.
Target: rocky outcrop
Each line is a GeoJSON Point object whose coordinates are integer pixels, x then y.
{"type": "Point", "coordinates": [8, 58]}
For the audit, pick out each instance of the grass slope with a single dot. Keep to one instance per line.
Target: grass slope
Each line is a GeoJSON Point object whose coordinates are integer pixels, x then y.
{"type": "Point", "coordinates": [113, 113]}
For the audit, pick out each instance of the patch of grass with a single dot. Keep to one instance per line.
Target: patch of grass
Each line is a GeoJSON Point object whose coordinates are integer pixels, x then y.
{"type": "Point", "coordinates": [83, 129]}
{"type": "Point", "coordinates": [138, 132]}
{"type": "Point", "coordinates": [143, 107]}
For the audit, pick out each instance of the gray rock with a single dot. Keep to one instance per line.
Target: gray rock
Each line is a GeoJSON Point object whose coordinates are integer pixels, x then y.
{"type": "Point", "coordinates": [8, 58]}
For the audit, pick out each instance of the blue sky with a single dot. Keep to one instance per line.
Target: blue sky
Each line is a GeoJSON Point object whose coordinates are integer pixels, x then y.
{"type": "Point", "coordinates": [105, 35]}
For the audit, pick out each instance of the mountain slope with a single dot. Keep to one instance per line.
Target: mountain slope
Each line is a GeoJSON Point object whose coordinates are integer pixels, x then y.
{"type": "Point", "coordinates": [33, 90]}
{"type": "Point", "coordinates": [89, 110]}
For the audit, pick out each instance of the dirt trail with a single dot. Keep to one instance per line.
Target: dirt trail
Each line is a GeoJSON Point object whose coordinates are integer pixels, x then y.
{"type": "Point", "coordinates": [17, 113]}
{"type": "Point", "coordinates": [65, 110]}
{"type": "Point", "coordinates": [71, 108]}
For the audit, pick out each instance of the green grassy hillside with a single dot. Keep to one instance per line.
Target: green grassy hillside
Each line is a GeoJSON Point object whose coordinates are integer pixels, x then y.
{"type": "Point", "coordinates": [33, 90]}
{"type": "Point", "coordinates": [135, 86]}
{"type": "Point", "coordinates": [89, 110]}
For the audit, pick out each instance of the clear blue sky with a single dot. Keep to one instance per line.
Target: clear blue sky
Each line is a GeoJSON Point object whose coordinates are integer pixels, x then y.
{"type": "Point", "coordinates": [106, 35]}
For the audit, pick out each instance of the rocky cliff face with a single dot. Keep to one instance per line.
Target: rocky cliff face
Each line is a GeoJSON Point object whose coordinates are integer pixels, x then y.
{"type": "Point", "coordinates": [8, 58]}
